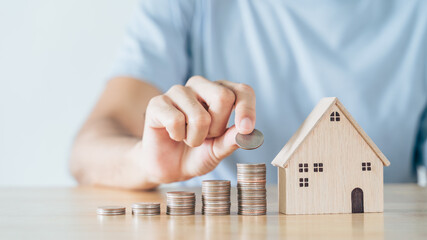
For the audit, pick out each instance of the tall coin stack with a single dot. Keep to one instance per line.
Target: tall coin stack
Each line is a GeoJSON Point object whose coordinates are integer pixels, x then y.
{"type": "Point", "coordinates": [251, 191]}
{"type": "Point", "coordinates": [180, 203]}
{"type": "Point", "coordinates": [216, 197]}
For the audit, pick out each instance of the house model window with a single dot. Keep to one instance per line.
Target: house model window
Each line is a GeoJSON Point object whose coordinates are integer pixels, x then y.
{"type": "Point", "coordinates": [303, 167]}
{"type": "Point", "coordinates": [366, 166]}
{"type": "Point", "coordinates": [335, 116]}
{"type": "Point", "coordinates": [303, 182]}
{"type": "Point", "coordinates": [318, 167]}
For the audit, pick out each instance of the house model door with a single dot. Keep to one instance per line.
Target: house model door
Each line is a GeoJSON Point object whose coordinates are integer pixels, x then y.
{"type": "Point", "coordinates": [357, 201]}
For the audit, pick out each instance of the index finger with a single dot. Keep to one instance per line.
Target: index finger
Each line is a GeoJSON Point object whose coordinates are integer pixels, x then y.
{"type": "Point", "coordinates": [245, 113]}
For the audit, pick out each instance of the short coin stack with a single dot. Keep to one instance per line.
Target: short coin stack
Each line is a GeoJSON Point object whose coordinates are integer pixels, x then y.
{"type": "Point", "coordinates": [216, 197]}
{"type": "Point", "coordinates": [146, 209]}
{"type": "Point", "coordinates": [111, 210]}
{"type": "Point", "coordinates": [180, 203]}
{"type": "Point", "coordinates": [251, 191]}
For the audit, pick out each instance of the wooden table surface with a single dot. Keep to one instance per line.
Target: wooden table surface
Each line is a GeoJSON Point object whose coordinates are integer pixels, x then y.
{"type": "Point", "coordinates": [70, 213]}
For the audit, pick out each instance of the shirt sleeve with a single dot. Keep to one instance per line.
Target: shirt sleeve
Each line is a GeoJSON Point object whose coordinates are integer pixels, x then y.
{"type": "Point", "coordinates": [155, 47]}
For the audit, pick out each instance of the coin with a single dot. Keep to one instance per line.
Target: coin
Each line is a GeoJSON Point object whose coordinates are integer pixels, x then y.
{"type": "Point", "coordinates": [111, 210]}
{"type": "Point", "coordinates": [216, 197]}
{"type": "Point", "coordinates": [145, 205]}
{"type": "Point", "coordinates": [251, 191]}
{"type": "Point", "coordinates": [250, 141]}
{"type": "Point", "coordinates": [146, 209]}
{"type": "Point", "coordinates": [180, 203]}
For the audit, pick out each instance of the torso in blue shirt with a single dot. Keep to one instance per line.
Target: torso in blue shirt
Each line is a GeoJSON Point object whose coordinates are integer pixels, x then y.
{"type": "Point", "coordinates": [369, 54]}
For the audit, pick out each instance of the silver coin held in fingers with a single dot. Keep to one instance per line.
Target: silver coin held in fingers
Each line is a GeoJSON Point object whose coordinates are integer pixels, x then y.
{"type": "Point", "coordinates": [250, 141]}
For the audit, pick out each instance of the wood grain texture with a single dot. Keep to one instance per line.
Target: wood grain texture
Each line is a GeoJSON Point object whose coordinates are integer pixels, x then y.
{"type": "Point", "coordinates": [341, 149]}
{"type": "Point", "coordinates": [282, 189]}
{"type": "Point", "coordinates": [281, 160]}
{"type": "Point", "coordinates": [325, 161]}
{"type": "Point", "coordinates": [362, 133]}
{"type": "Point", "coordinates": [70, 213]}
{"type": "Point", "coordinates": [320, 111]}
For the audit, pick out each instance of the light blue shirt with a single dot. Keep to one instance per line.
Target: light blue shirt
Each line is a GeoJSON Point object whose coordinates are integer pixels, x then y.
{"type": "Point", "coordinates": [369, 54]}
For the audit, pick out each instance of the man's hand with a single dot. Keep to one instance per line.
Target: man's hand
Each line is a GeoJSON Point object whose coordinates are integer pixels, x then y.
{"type": "Point", "coordinates": [185, 132]}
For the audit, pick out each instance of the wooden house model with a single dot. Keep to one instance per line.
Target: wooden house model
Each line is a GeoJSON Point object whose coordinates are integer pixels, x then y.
{"type": "Point", "coordinates": [330, 165]}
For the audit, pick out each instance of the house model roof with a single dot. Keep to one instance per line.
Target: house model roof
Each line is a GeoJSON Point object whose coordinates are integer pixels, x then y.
{"type": "Point", "coordinates": [281, 160]}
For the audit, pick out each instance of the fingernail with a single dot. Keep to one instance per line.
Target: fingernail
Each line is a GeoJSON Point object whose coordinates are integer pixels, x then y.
{"type": "Point", "coordinates": [246, 125]}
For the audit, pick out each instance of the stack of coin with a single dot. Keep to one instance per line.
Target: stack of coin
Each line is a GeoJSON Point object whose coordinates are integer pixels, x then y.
{"type": "Point", "coordinates": [146, 209]}
{"type": "Point", "coordinates": [251, 191]}
{"type": "Point", "coordinates": [180, 203]}
{"type": "Point", "coordinates": [216, 197]}
{"type": "Point", "coordinates": [111, 210]}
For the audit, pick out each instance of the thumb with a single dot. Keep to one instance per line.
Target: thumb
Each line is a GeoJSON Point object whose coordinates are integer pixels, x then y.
{"type": "Point", "coordinates": [225, 145]}
{"type": "Point", "coordinates": [203, 159]}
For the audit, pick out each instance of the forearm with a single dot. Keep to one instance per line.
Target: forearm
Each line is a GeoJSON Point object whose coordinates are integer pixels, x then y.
{"type": "Point", "coordinates": [106, 150]}
{"type": "Point", "coordinates": [103, 154]}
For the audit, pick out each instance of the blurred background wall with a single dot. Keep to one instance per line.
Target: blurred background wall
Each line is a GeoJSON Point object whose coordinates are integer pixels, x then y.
{"type": "Point", "coordinates": [54, 61]}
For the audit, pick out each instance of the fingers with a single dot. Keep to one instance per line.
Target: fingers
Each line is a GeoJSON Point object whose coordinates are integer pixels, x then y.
{"type": "Point", "coordinates": [202, 109]}
{"type": "Point", "coordinates": [219, 100]}
{"type": "Point", "coordinates": [161, 113]}
{"type": "Point", "coordinates": [183, 116]}
{"type": "Point", "coordinates": [197, 118]}
{"type": "Point", "coordinates": [245, 104]}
